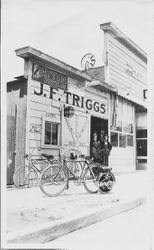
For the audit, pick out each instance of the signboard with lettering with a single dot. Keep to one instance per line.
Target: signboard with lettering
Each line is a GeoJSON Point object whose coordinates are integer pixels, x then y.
{"type": "Point", "coordinates": [49, 76]}
{"type": "Point", "coordinates": [72, 99]}
{"type": "Point", "coordinates": [130, 70]}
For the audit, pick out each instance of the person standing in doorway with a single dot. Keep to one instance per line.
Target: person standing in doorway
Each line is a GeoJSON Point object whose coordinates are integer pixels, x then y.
{"type": "Point", "coordinates": [95, 148]}
{"type": "Point", "coordinates": [106, 148]}
{"type": "Point", "coordinates": [102, 133]}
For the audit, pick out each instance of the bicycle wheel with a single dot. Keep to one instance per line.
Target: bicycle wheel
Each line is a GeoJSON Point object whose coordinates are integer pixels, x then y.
{"type": "Point", "coordinates": [106, 182]}
{"type": "Point", "coordinates": [54, 180]}
{"type": "Point", "coordinates": [90, 181]}
{"type": "Point", "coordinates": [25, 176]}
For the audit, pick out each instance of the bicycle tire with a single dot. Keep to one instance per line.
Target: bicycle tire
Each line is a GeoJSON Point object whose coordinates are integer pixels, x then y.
{"type": "Point", "coordinates": [53, 178]}
{"type": "Point", "coordinates": [107, 181]}
{"type": "Point", "coordinates": [89, 181]}
{"type": "Point", "coordinates": [25, 176]}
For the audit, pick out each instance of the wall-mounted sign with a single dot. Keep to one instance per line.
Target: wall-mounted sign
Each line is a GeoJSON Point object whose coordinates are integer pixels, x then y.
{"type": "Point", "coordinates": [73, 99]}
{"type": "Point", "coordinates": [51, 77]}
{"type": "Point", "coordinates": [130, 70]}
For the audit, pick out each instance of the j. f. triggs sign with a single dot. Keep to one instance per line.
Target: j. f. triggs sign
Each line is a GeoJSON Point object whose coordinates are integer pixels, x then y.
{"type": "Point", "coordinates": [49, 76]}
{"type": "Point", "coordinates": [72, 99]}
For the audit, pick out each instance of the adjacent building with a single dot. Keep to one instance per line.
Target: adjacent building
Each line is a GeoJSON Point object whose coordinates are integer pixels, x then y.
{"type": "Point", "coordinates": [54, 104]}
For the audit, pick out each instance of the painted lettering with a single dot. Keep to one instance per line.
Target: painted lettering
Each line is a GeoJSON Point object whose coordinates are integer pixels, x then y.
{"type": "Point", "coordinates": [41, 90]}
{"type": "Point", "coordinates": [52, 92]}
{"type": "Point", "coordinates": [76, 99]}
{"type": "Point", "coordinates": [73, 99]}
{"type": "Point", "coordinates": [82, 102]}
{"type": "Point", "coordinates": [89, 104]}
{"type": "Point", "coordinates": [102, 108]}
{"type": "Point", "coordinates": [96, 106]}
{"type": "Point", "coordinates": [67, 96]}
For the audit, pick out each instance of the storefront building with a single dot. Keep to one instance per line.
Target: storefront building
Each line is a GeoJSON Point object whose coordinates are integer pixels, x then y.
{"type": "Point", "coordinates": [109, 98]}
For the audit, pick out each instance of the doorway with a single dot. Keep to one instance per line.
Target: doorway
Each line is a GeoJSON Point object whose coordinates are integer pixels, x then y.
{"type": "Point", "coordinates": [98, 124]}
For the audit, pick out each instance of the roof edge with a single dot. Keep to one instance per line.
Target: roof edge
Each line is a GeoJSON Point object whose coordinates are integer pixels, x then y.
{"type": "Point", "coordinates": [125, 39]}
{"type": "Point", "coordinates": [28, 51]}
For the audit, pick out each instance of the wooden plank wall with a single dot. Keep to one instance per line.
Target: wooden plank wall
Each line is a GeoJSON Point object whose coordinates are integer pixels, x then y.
{"type": "Point", "coordinates": [121, 63]}
{"type": "Point", "coordinates": [16, 111]}
{"type": "Point", "coordinates": [43, 106]}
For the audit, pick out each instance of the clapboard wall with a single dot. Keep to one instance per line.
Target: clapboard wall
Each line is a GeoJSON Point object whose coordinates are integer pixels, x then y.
{"type": "Point", "coordinates": [75, 131]}
{"type": "Point", "coordinates": [16, 125]}
{"type": "Point", "coordinates": [124, 69]}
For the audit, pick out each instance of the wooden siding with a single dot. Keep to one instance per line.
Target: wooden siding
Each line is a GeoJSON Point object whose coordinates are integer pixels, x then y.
{"type": "Point", "coordinates": [120, 63]}
{"type": "Point", "coordinates": [122, 159]}
{"type": "Point", "coordinates": [16, 110]}
{"type": "Point", "coordinates": [42, 106]}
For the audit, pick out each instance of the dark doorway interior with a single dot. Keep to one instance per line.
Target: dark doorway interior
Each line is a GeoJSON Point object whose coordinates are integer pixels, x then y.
{"type": "Point", "coordinates": [97, 124]}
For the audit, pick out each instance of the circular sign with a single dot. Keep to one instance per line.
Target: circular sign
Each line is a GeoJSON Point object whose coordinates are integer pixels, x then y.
{"type": "Point", "coordinates": [88, 61]}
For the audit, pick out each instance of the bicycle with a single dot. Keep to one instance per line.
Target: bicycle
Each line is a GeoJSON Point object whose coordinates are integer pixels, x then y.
{"type": "Point", "coordinates": [55, 178]}
{"type": "Point", "coordinates": [28, 175]}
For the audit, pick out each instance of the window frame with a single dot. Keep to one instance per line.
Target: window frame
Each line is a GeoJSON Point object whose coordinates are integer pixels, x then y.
{"type": "Point", "coordinates": [51, 120]}
{"type": "Point", "coordinates": [124, 133]}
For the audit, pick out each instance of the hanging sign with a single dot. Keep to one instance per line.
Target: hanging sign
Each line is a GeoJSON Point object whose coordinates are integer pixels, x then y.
{"type": "Point", "coordinates": [68, 111]}
{"type": "Point", "coordinates": [49, 76]}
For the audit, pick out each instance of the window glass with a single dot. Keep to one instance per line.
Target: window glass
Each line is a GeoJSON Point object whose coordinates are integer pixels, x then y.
{"type": "Point", "coordinates": [129, 140]}
{"type": "Point", "coordinates": [47, 132]}
{"type": "Point", "coordinates": [142, 160]}
{"type": "Point", "coordinates": [142, 133]}
{"type": "Point", "coordinates": [142, 147]}
{"type": "Point", "coordinates": [51, 133]}
{"type": "Point", "coordinates": [54, 133]}
{"type": "Point", "coordinates": [114, 139]}
{"type": "Point", "coordinates": [122, 140]}
{"type": "Point", "coordinates": [119, 126]}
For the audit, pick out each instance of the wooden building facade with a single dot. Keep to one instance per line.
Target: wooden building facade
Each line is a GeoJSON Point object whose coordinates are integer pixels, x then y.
{"type": "Point", "coordinates": [109, 98]}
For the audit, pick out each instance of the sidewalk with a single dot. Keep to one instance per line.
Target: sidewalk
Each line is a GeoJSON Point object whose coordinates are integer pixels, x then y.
{"type": "Point", "coordinates": [45, 218]}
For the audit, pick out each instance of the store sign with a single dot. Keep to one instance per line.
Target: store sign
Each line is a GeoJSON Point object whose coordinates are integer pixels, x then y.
{"type": "Point", "coordinates": [51, 77]}
{"type": "Point", "coordinates": [130, 70]}
{"type": "Point", "coordinates": [73, 99]}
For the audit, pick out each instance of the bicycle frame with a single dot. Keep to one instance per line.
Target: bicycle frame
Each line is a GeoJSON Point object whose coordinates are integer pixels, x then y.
{"type": "Point", "coordinates": [80, 178]}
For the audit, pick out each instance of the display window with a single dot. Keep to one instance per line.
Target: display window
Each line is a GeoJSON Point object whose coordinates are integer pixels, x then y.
{"type": "Point", "coordinates": [114, 139]}
{"type": "Point", "coordinates": [141, 142]}
{"type": "Point", "coordinates": [122, 140]}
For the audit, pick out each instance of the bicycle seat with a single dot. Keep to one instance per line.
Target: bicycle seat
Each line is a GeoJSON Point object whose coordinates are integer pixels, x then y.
{"type": "Point", "coordinates": [49, 157]}
{"type": "Point", "coordinates": [106, 168]}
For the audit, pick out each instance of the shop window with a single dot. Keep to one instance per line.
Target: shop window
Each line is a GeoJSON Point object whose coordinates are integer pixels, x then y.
{"type": "Point", "coordinates": [114, 139]}
{"type": "Point", "coordinates": [128, 127]}
{"type": "Point", "coordinates": [130, 140]}
{"type": "Point", "coordinates": [50, 133]}
{"type": "Point", "coordinates": [122, 140]}
{"type": "Point", "coordinates": [142, 160]}
{"type": "Point", "coordinates": [142, 133]}
{"type": "Point", "coordinates": [141, 147]}
{"type": "Point", "coordinates": [118, 127]}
